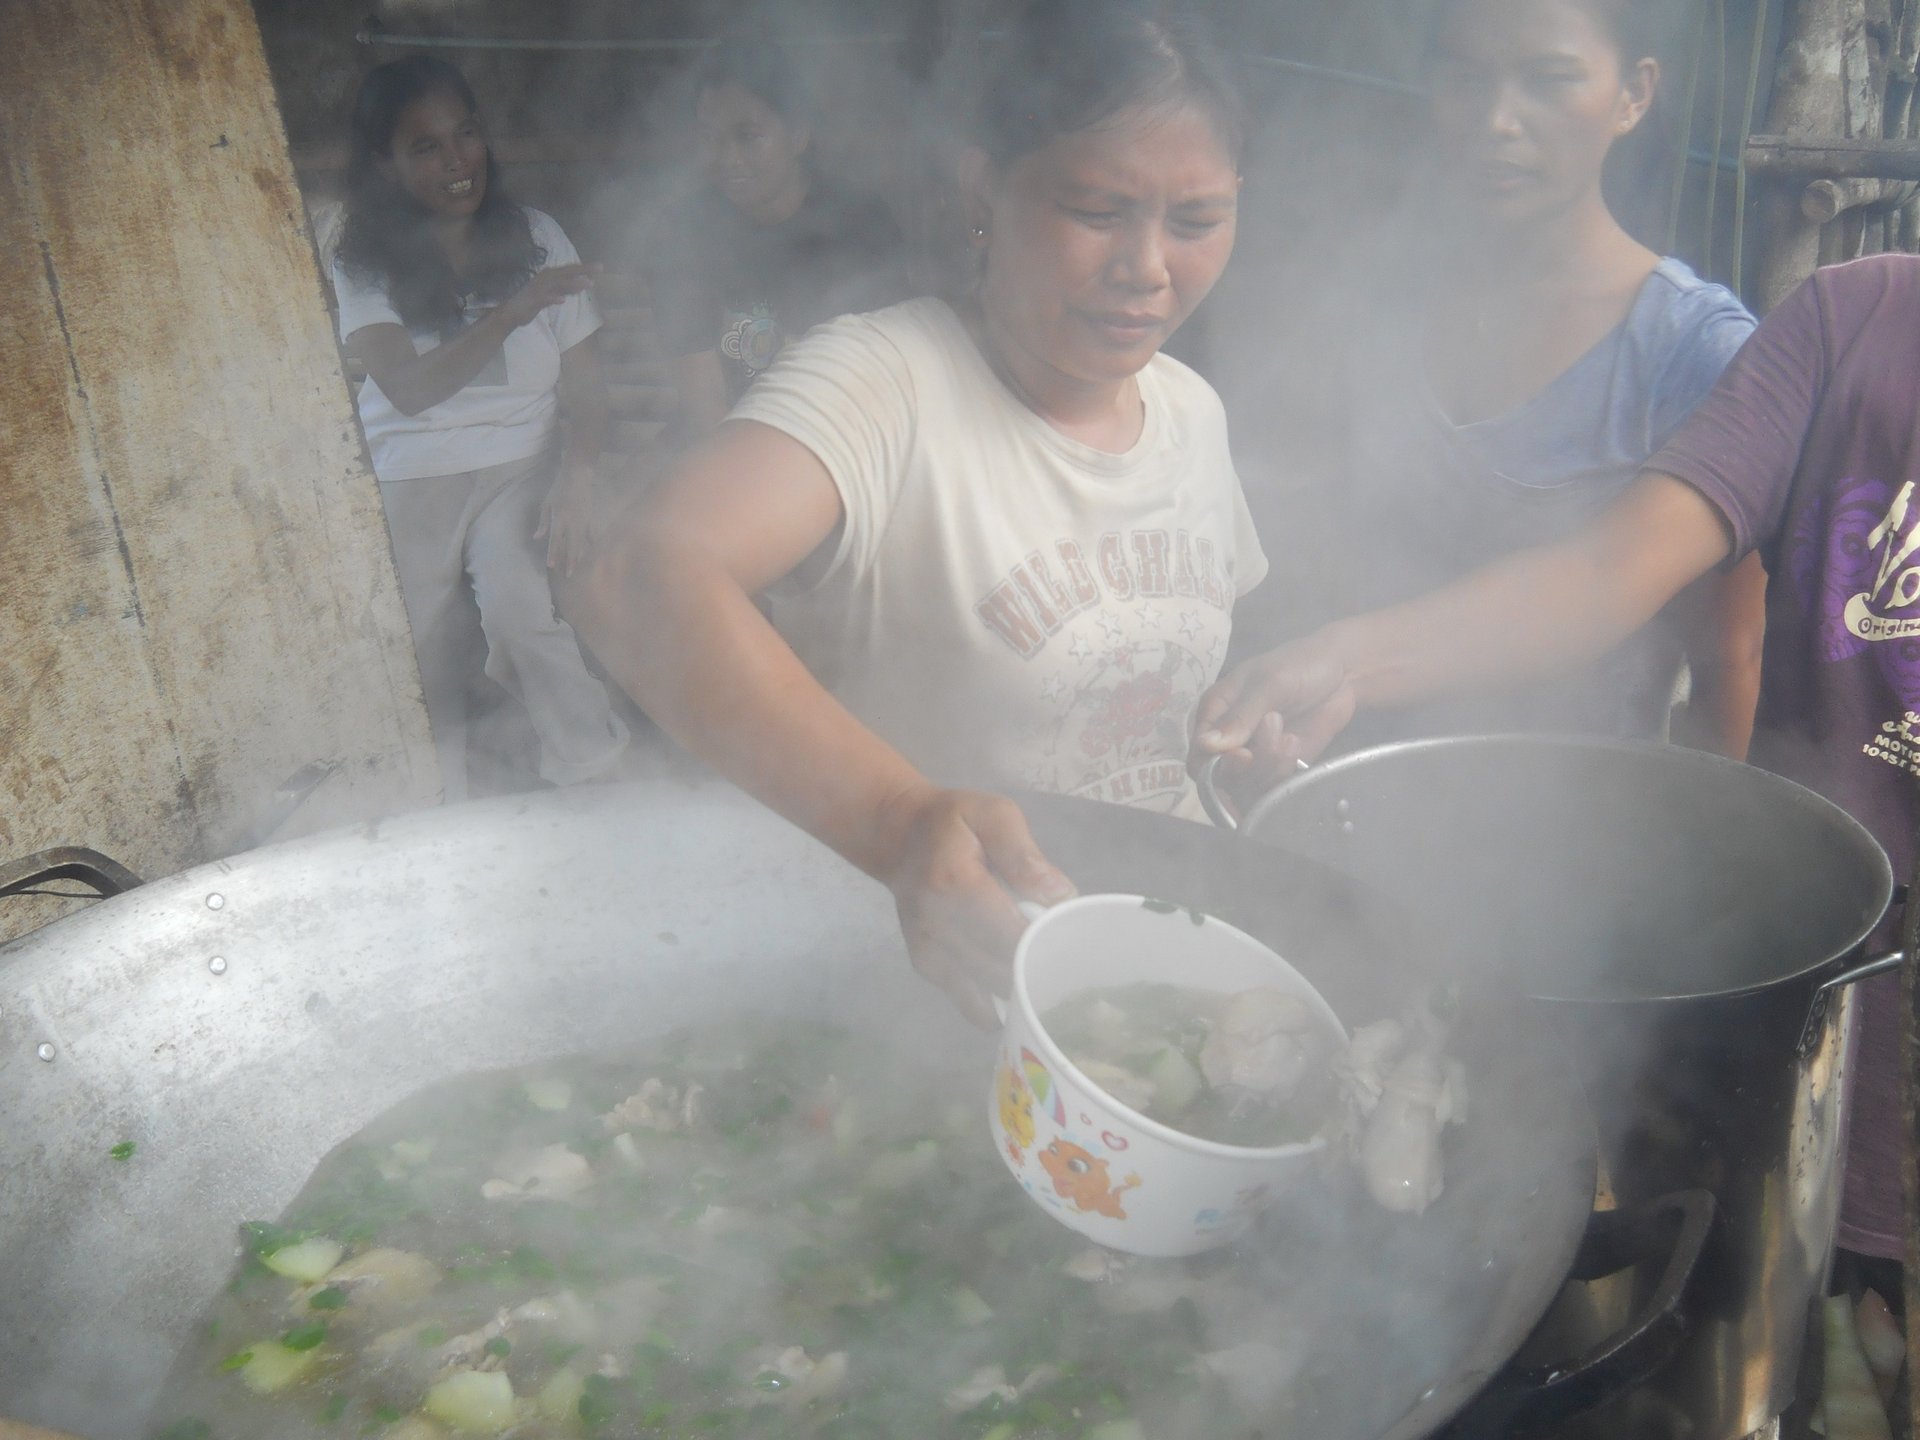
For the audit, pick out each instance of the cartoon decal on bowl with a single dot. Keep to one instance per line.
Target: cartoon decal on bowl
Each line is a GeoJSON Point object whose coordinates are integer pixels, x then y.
{"type": "Point", "coordinates": [1248, 1203]}
{"type": "Point", "coordinates": [1112, 1174]}
{"type": "Point", "coordinates": [1072, 1171]}
{"type": "Point", "coordinates": [1016, 1112]}
{"type": "Point", "coordinates": [1082, 1177]}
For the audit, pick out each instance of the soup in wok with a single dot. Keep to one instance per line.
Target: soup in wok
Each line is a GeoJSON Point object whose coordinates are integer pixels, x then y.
{"type": "Point", "coordinates": [760, 1228]}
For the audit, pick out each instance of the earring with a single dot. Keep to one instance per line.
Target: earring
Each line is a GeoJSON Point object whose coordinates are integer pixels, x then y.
{"type": "Point", "coordinates": [979, 233]}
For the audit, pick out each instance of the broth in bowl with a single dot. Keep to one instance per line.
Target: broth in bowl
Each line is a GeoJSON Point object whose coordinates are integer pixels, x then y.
{"type": "Point", "coordinates": [1250, 1069]}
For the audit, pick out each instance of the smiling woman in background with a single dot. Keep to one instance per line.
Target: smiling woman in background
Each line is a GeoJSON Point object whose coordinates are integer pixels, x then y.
{"type": "Point", "coordinates": [471, 316]}
{"type": "Point", "coordinates": [1003, 536]}
{"type": "Point", "coordinates": [770, 247]}
{"type": "Point", "coordinates": [1541, 357]}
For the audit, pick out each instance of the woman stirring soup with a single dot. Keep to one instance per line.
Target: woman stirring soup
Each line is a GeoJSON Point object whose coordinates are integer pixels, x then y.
{"type": "Point", "coordinates": [1542, 358]}
{"type": "Point", "coordinates": [471, 316]}
{"type": "Point", "coordinates": [1003, 535]}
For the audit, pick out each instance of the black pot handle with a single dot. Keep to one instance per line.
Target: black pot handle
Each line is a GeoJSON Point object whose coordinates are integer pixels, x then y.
{"type": "Point", "coordinates": [1534, 1399]}
{"type": "Point", "coordinates": [105, 877]}
{"type": "Point", "coordinates": [1817, 1007]}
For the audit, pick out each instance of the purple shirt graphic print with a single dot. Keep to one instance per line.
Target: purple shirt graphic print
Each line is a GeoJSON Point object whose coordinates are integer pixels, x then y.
{"type": "Point", "coordinates": [1810, 447]}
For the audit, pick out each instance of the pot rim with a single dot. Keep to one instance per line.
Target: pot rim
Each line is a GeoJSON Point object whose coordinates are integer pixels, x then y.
{"type": "Point", "coordinates": [1879, 885]}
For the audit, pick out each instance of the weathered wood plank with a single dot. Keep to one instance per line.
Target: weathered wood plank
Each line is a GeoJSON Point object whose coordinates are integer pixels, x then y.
{"type": "Point", "coordinates": [196, 593]}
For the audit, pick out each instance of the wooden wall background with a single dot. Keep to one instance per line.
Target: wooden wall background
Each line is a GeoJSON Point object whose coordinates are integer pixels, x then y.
{"type": "Point", "coordinates": [196, 593]}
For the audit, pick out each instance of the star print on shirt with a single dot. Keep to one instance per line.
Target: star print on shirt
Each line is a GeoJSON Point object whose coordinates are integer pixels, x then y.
{"type": "Point", "coordinates": [1054, 690]}
{"type": "Point", "coordinates": [1190, 624]}
{"type": "Point", "coordinates": [1150, 615]}
{"type": "Point", "coordinates": [1116, 632]}
{"type": "Point", "coordinates": [1079, 649]}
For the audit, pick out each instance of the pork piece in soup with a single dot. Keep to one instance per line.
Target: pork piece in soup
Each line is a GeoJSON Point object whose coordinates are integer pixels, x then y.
{"type": "Point", "coordinates": [1253, 1068]}
{"type": "Point", "coordinates": [753, 1229]}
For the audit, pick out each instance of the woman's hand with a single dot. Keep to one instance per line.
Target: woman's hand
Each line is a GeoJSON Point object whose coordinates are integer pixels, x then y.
{"type": "Point", "coordinates": [965, 859]}
{"type": "Point", "coordinates": [567, 517]}
{"type": "Point", "coordinates": [1269, 714]}
{"type": "Point", "coordinates": [547, 288]}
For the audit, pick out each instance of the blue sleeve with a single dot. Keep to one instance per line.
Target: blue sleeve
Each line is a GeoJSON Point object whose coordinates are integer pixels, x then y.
{"type": "Point", "coordinates": [1708, 339]}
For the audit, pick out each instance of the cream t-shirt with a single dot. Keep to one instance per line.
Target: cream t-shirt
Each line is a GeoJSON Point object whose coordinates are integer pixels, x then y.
{"type": "Point", "coordinates": [1008, 606]}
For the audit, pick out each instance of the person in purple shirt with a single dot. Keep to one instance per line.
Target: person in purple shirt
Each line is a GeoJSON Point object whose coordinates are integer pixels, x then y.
{"type": "Point", "coordinates": [1807, 453]}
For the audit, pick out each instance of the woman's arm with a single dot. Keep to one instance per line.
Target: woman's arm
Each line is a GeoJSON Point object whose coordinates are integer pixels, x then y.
{"type": "Point", "coordinates": [416, 382]}
{"type": "Point", "coordinates": [1726, 624]}
{"type": "Point", "coordinates": [567, 514]}
{"type": "Point", "coordinates": [668, 605]}
{"type": "Point", "coordinates": [1538, 611]}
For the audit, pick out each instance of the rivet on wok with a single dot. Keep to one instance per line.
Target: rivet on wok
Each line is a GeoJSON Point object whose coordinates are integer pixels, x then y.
{"type": "Point", "coordinates": [1346, 827]}
{"type": "Point", "coordinates": [218, 964]}
{"type": "Point", "coordinates": [45, 1052]}
{"type": "Point", "coordinates": [215, 901]}
{"type": "Point", "coordinates": [1343, 807]}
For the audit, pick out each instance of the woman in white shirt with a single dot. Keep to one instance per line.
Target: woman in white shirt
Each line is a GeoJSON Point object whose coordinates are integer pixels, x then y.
{"type": "Point", "coordinates": [1002, 537]}
{"type": "Point", "coordinates": [472, 318]}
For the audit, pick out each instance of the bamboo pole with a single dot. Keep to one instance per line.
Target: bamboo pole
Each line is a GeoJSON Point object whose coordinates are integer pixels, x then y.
{"type": "Point", "coordinates": [1782, 155]}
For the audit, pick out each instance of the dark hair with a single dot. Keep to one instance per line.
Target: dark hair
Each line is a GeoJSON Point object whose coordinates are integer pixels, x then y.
{"type": "Point", "coordinates": [1637, 28]}
{"type": "Point", "coordinates": [1072, 65]}
{"type": "Point", "coordinates": [387, 238]}
{"type": "Point", "coordinates": [760, 67]}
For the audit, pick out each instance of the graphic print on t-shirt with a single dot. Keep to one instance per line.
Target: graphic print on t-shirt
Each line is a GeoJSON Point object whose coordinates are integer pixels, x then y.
{"type": "Point", "coordinates": [750, 338]}
{"type": "Point", "coordinates": [1125, 645]}
{"type": "Point", "coordinates": [1858, 560]}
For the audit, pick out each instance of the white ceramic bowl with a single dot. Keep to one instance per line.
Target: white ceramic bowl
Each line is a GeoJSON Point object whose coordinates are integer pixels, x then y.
{"type": "Point", "coordinates": [1089, 1161]}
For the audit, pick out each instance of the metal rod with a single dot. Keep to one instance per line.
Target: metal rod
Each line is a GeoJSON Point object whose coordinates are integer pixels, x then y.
{"type": "Point", "coordinates": [1343, 77]}
{"type": "Point", "coordinates": [1834, 159]}
{"type": "Point", "coordinates": [499, 42]}
{"type": "Point", "coordinates": [677, 46]}
{"type": "Point", "coordinates": [1746, 129]}
{"type": "Point", "coordinates": [1685, 149]}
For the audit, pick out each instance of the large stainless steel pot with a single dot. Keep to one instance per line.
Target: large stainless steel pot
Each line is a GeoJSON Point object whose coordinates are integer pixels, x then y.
{"type": "Point", "coordinates": [1696, 925]}
{"type": "Point", "coordinates": [239, 1020]}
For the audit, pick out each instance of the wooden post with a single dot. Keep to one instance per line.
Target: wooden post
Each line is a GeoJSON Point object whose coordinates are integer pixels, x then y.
{"type": "Point", "coordinates": [197, 598]}
{"type": "Point", "coordinates": [1807, 103]}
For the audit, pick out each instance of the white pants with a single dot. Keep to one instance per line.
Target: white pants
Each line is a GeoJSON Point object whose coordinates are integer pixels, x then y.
{"type": "Point", "coordinates": [476, 590]}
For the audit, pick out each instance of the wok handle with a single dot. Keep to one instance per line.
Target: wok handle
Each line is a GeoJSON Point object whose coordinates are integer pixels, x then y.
{"type": "Point", "coordinates": [1539, 1398]}
{"type": "Point", "coordinates": [104, 876]}
{"type": "Point", "coordinates": [1207, 783]}
{"type": "Point", "coordinates": [1823, 992]}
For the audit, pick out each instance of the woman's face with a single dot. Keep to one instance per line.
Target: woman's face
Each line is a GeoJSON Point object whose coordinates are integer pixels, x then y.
{"type": "Point", "coordinates": [751, 155]}
{"type": "Point", "coordinates": [1103, 242]}
{"type": "Point", "coordinates": [1528, 97]}
{"type": "Point", "coordinates": [438, 155]}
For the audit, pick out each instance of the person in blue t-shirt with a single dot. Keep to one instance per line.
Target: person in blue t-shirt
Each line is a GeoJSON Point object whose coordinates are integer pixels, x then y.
{"type": "Point", "coordinates": [1537, 362]}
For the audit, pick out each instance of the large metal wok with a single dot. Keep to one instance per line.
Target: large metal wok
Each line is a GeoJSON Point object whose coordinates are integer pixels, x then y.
{"type": "Point", "coordinates": [237, 1021]}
